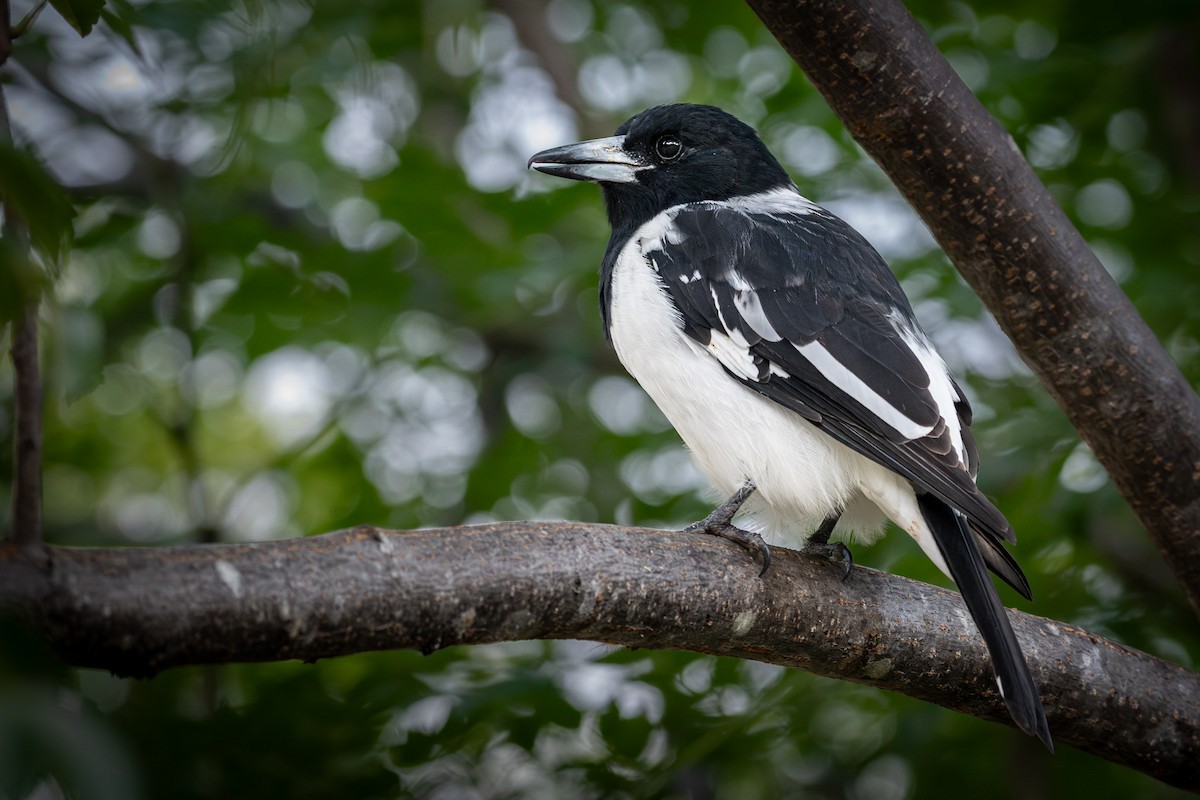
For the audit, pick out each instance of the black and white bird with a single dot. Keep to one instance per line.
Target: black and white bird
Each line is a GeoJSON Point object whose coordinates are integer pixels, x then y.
{"type": "Point", "coordinates": [782, 349]}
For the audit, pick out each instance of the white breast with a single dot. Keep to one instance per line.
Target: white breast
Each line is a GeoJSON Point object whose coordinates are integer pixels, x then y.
{"type": "Point", "coordinates": [733, 432]}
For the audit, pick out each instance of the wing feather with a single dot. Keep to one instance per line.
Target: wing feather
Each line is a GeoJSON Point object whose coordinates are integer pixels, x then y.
{"type": "Point", "coordinates": [832, 337]}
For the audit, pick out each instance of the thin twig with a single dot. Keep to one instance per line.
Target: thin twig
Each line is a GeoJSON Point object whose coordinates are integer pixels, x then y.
{"type": "Point", "coordinates": [22, 27]}
{"type": "Point", "coordinates": [5, 39]}
{"type": "Point", "coordinates": [27, 392]}
{"type": "Point", "coordinates": [27, 443]}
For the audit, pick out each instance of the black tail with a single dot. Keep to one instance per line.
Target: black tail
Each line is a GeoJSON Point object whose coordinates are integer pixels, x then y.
{"type": "Point", "coordinates": [966, 564]}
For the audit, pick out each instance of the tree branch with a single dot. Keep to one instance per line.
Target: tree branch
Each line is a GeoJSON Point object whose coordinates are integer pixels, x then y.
{"type": "Point", "coordinates": [27, 430]}
{"type": "Point", "coordinates": [535, 34]}
{"type": "Point", "coordinates": [27, 385]}
{"type": "Point", "coordinates": [6, 38]}
{"type": "Point", "coordinates": [534, 31]}
{"type": "Point", "coordinates": [963, 173]}
{"type": "Point", "coordinates": [22, 27]}
{"type": "Point", "coordinates": [137, 611]}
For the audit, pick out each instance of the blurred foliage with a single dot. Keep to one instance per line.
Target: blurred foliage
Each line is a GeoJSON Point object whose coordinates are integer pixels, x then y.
{"type": "Point", "coordinates": [312, 285]}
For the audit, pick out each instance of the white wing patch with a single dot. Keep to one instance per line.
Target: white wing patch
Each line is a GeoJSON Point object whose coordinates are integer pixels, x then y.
{"type": "Point", "coordinates": [750, 308]}
{"type": "Point", "coordinates": [731, 332]}
{"type": "Point", "coordinates": [735, 357]}
{"type": "Point", "coordinates": [851, 384]}
{"type": "Point", "coordinates": [940, 386]}
{"type": "Point", "coordinates": [659, 232]}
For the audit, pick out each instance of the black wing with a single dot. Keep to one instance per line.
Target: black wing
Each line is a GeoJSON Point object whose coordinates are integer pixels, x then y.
{"type": "Point", "coordinates": [831, 336]}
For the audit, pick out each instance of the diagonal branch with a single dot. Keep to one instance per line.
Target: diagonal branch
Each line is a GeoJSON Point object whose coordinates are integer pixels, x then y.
{"type": "Point", "coordinates": [137, 611]}
{"type": "Point", "coordinates": [965, 176]}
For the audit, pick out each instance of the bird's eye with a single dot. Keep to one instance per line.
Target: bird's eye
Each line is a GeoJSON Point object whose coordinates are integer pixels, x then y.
{"type": "Point", "coordinates": [668, 147]}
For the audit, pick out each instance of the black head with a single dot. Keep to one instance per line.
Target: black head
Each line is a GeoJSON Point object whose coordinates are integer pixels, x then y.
{"type": "Point", "coordinates": [665, 156]}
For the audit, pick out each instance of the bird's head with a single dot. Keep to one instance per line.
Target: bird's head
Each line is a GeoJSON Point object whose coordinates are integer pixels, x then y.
{"type": "Point", "coordinates": [665, 156]}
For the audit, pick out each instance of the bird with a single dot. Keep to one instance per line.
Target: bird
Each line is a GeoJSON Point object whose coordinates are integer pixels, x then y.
{"type": "Point", "coordinates": [783, 350]}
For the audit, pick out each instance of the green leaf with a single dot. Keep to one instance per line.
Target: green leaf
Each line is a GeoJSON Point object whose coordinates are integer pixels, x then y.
{"type": "Point", "coordinates": [80, 14]}
{"type": "Point", "coordinates": [119, 16]}
{"type": "Point", "coordinates": [28, 192]}
{"type": "Point", "coordinates": [19, 279]}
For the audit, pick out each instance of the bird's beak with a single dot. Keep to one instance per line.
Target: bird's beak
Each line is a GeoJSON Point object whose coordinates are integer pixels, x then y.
{"type": "Point", "coordinates": [596, 160]}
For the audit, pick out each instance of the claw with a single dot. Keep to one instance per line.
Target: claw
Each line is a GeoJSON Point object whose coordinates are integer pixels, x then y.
{"type": "Point", "coordinates": [818, 545]}
{"type": "Point", "coordinates": [720, 523]}
{"type": "Point", "coordinates": [833, 552]}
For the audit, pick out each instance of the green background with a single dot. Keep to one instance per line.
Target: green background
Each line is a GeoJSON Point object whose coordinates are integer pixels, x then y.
{"type": "Point", "coordinates": [312, 285]}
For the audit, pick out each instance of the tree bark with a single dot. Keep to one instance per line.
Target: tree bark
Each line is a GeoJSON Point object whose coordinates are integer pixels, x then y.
{"type": "Point", "coordinates": [27, 430]}
{"type": "Point", "coordinates": [138, 611]}
{"type": "Point", "coordinates": [967, 179]}
{"type": "Point", "coordinates": [27, 384]}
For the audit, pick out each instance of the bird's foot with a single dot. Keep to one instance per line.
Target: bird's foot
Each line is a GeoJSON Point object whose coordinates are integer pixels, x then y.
{"type": "Point", "coordinates": [818, 546]}
{"type": "Point", "coordinates": [836, 552]}
{"type": "Point", "coordinates": [720, 523]}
